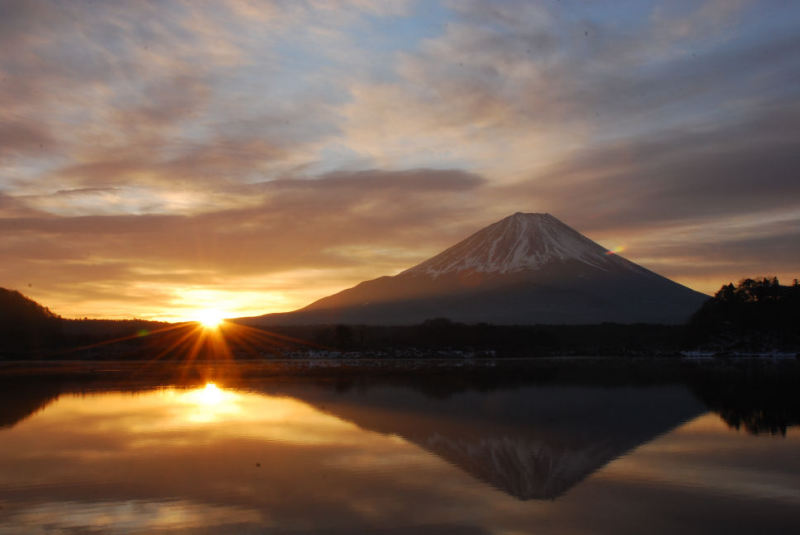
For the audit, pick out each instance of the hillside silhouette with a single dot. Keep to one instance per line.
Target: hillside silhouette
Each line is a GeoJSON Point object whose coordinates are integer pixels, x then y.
{"type": "Point", "coordinates": [25, 325]}
{"type": "Point", "coordinates": [31, 330]}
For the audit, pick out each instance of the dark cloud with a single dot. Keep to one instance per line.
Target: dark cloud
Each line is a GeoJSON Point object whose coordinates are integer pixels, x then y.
{"type": "Point", "coordinates": [762, 250]}
{"type": "Point", "coordinates": [216, 162]}
{"type": "Point", "coordinates": [23, 137]}
{"type": "Point", "coordinates": [678, 176]}
{"type": "Point", "coordinates": [84, 191]}
{"type": "Point", "coordinates": [781, 250]}
{"type": "Point", "coordinates": [409, 180]}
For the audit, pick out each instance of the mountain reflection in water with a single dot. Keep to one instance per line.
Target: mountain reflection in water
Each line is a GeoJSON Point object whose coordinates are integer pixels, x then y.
{"type": "Point", "coordinates": [530, 442]}
{"type": "Point", "coordinates": [93, 456]}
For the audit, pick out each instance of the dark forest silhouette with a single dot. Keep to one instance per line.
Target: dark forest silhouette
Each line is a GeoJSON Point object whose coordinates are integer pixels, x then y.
{"type": "Point", "coordinates": [754, 315]}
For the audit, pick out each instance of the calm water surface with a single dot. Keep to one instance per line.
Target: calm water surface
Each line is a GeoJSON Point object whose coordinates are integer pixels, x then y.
{"type": "Point", "coordinates": [303, 456]}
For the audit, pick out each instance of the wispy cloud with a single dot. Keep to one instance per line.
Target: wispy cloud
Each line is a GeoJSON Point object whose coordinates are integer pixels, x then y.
{"type": "Point", "coordinates": [342, 226]}
{"type": "Point", "coordinates": [151, 146]}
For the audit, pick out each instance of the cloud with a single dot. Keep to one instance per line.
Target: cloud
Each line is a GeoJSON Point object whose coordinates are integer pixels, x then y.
{"type": "Point", "coordinates": [680, 175]}
{"type": "Point", "coordinates": [11, 207]}
{"type": "Point", "coordinates": [269, 145]}
{"type": "Point", "coordinates": [22, 137]}
{"type": "Point", "coordinates": [729, 252]}
{"type": "Point", "coordinates": [161, 95]}
{"type": "Point", "coordinates": [510, 87]}
{"type": "Point", "coordinates": [336, 228]}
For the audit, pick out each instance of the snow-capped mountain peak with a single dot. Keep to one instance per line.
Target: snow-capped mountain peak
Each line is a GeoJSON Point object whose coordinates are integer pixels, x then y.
{"type": "Point", "coordinates": [522, 270]}
{"type": "Point", "coordinates": [519, 242]}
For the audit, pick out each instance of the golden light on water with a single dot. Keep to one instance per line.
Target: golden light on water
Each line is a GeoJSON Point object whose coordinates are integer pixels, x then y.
{"type": "Point", "coordinates": [209, 403]}
{"type": "Point", "coordinates": [210, 395]}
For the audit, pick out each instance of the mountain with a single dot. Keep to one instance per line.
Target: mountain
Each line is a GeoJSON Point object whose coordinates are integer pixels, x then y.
{"type": "Point", "coordinates": [524, 269]}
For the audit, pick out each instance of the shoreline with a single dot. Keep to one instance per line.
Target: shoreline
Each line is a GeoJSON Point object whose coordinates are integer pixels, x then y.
{"type": "Point", "coordinates": [652, 367]}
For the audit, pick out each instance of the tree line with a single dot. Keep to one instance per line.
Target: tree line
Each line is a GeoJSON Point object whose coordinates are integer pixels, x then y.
{"type": "Point", "coordinates": [756, 314]}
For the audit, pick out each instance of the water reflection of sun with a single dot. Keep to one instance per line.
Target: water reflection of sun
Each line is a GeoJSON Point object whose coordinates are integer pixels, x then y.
{"type": "Point", "coordinates": [209, 403]}
{"type": "Point", "coordinates": [210, 394]}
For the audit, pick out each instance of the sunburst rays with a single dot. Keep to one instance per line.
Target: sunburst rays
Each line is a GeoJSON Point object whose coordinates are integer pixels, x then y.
{"type": "Point", "coordinates": [189, 343]}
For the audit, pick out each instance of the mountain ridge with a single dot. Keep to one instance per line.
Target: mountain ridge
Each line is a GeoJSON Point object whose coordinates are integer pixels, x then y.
{"type": "Point", "coordinates": [523, 269]}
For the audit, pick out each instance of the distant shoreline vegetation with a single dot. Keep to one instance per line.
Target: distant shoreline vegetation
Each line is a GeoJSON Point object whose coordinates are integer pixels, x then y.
{"type": "Point", "coordinates": [753, 316]}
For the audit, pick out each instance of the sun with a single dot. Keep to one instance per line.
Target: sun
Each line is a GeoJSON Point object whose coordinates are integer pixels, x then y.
{"type": "Point", "coordinates": [210, 319]}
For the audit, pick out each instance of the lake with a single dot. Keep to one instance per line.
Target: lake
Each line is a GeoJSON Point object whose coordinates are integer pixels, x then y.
{"type": "Point", "coordinates": [117, 451]}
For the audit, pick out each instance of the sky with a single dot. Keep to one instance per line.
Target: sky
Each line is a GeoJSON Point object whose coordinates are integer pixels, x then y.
{"type": "Point", "coordinates": [162, 157]}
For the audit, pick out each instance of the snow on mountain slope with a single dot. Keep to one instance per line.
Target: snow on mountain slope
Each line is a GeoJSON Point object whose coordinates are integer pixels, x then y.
{"type": "Point", "coordinates": [517, 243]}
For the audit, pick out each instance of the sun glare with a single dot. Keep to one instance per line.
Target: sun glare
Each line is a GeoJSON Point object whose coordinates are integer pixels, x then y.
{"type": "Point", "coordinates": [210, 395]}
{"type": "Point", "coordinates": [210, 319]}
